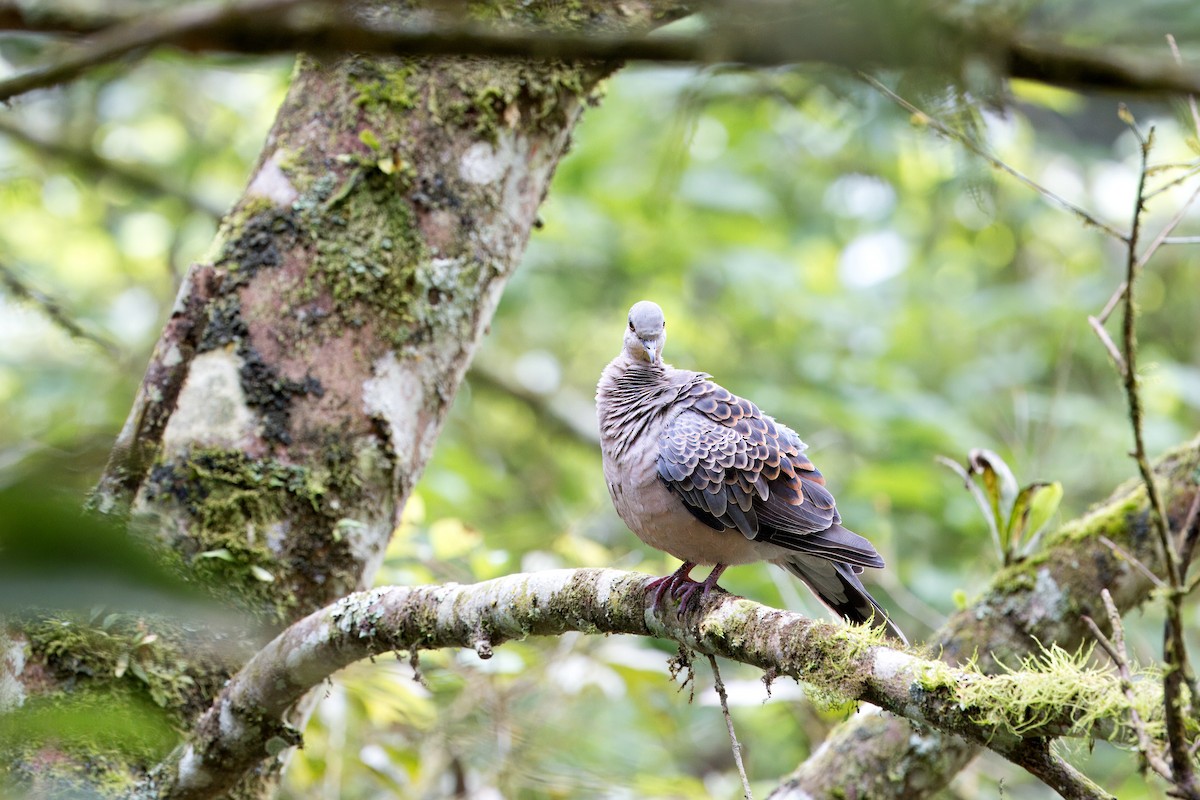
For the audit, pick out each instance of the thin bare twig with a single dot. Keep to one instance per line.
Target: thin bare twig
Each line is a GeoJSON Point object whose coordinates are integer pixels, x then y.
{"type": "Point", "coordinates": [1177, 670]}
{"type": "Point", "coordinates": [733, 740]}
{"type": "Point", "coordinates": [1170, 165]}
{"type": "Point", "coordinates": [1166, 231]}
{"type": "Point", "coordinates": [54, 311]}
{"type": "Point", "coordinates": [1109, 345]}
{"type": "Point", "coordinates": [950, 133]}
{"type": "Point", "coordinates": [1120, 657]}
{"type": "Point", "coordinates": [1191, 532]}
{"type": "Point", "coordinates": [1133, 560]}
{"type": "Point", "coordinates": [1129, 352]}
{"type": "Point", "coordinates": [1111, 305]}
{"type": "Point", "coordinates": [1171, 184]}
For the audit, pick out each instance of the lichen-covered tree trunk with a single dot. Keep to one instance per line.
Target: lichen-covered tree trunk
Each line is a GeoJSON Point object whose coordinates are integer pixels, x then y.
{"type": "Point", "coordinates": [304, 374]}
{"type": "Point", "coordinates": [306, 368]}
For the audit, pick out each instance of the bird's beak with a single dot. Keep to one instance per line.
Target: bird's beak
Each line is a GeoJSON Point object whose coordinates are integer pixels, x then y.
{"type": "Point", "coordinates": [651, 352]}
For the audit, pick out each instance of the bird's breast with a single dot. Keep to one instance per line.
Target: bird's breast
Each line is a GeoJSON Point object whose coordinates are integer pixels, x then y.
{"type": "Point", "coordinates": [660, 519]}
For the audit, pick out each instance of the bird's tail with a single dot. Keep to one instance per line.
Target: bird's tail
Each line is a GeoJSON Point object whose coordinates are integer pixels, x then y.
{"type": "Point", "coordinates": [837, 586]}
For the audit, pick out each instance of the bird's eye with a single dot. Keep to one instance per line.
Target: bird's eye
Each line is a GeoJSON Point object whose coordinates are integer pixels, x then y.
{"type": "Point", "coordinates": [631, 324]}
{"type": "Point", "coordinates": [664, 324]}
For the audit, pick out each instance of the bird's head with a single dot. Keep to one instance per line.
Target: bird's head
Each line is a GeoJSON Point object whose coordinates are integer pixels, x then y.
{"type": "Point", "coordinates": [646, 332]}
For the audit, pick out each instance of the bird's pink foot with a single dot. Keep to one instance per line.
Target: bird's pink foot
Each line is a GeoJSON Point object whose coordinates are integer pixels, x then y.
{"type": "Point", "coordinates": [672, 584]}
{"type": "Point", "coordinates": [686, 593]}
{"type": "Point", "coordinates": [680, 586]}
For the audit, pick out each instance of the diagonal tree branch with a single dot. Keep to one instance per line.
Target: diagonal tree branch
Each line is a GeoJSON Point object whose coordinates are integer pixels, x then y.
{"type": "Point", "coordinates": [90, 161]}
{"type": "Point", "coordinates": [1115, 648]}
{"type": "Point", "coordinates": [139, 34]}
{"type": "Point", "coordinates": [26, 17]}
{"type": "Point", "coordinates": [558, 409]}
{"type": "Point", "coordinates": [947, 132]}
{"type": "Point", "coordinates": [18, 288]}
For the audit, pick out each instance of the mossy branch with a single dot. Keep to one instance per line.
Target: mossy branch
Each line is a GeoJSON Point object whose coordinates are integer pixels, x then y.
{"type": "Point", "coordinates": [1051, 697]}
{"type": "Point", "coordinates": [1041, 599]}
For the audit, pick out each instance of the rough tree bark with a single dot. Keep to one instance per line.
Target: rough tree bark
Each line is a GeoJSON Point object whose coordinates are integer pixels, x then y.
{"type": "Point", "coordinates": [299, 385]}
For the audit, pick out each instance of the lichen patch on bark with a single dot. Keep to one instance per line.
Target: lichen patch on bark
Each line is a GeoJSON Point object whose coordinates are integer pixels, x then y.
{"type": "Point", "coordinates": [271, 183]}
{"type": "Point", "coordinates": [212, 409]}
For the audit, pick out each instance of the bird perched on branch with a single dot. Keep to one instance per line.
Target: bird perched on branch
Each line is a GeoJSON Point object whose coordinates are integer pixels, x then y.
{"type": "Point", "coordinates": [706, 476]}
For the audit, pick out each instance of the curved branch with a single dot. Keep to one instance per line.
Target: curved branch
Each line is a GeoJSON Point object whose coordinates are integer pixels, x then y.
{"type": "Point", "coordinates": [245, 721]}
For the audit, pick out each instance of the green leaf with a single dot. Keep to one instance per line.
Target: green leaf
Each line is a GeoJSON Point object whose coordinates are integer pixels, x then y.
{"type": "Point", "coordinates": [976, 493]}
{"type": "Point", "coordinates": [999, 485]}
{"type": "Point", "coordinates": [1034, 507]}
{"type": "Point", "coordinates": [56, 556]}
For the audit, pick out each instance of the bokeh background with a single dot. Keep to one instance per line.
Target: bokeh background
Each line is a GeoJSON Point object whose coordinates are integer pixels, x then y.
{"type": "Point", "coordinates": [815, 248]}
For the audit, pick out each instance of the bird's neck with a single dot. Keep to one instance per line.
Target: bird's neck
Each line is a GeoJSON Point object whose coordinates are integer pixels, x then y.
{"type": "Point", "coordinates": [628, 378]}
{"type": "Point", "coordinates": [631, 392]}
{"type": "Point", "coordinates": [635, 372]}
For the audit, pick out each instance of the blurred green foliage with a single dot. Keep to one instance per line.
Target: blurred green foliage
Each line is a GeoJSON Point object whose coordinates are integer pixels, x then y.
{"type": "Point", "coordinates": [815, 250]}
{"type": "Point", "coordinates": [54, 555]}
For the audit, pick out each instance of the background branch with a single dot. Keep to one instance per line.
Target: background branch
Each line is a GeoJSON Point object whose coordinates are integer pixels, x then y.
{"type": "Point", "coordinates": [91, 162]}
{"type": "Point", "coordinates": [1120, 657]}
{"type": "Point", "coordinates": [572, 415]}
{"type": "Point", "coordinates": [849, 37]}
{"type": "Point", "coordinates": [946, 131]}
{"type": "Point", "coordinates": [53, 310]}
{"type": "Point", "coordinates": [142, 33]}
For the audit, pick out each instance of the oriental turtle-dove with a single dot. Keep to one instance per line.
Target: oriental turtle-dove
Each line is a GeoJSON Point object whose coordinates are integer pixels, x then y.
{"type": "Point", "coordinates": [706, 476]}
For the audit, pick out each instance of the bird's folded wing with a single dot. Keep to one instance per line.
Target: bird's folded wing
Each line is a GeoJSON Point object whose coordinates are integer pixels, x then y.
{"type": "Point", "coordinates": [734, 467]}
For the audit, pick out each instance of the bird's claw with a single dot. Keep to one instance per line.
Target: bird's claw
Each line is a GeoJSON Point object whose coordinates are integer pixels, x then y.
{"type": "Point", "coordinates": [680, 586]}
{"type": "Point", "coordinates": [674, 585]}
